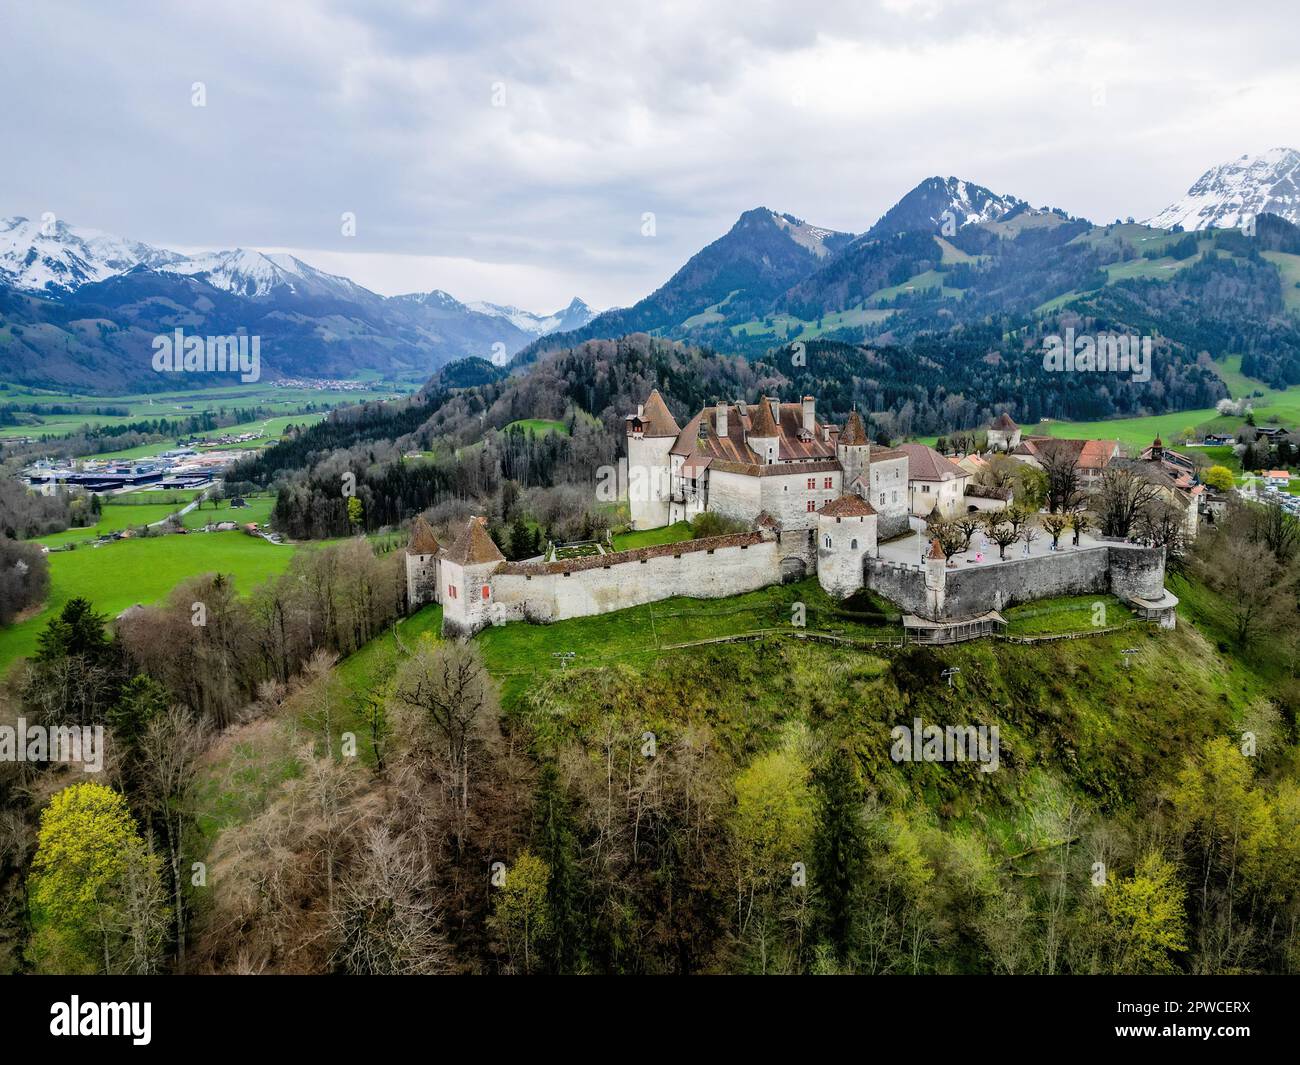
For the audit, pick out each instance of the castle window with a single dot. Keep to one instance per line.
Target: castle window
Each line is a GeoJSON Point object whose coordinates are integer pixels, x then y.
{"type": "Point", "coordinates": [812, 482]}
{"type": "Point", "coordinates": [853, 544]}
{"type": "Point", "coordinates": [451, 591]}
{"type": "Point", "coordinates": [811, 506]}
{"type": "Point", "coordinates": [828, 543]}
{"type": "Point", "coordinates": [827, 483]}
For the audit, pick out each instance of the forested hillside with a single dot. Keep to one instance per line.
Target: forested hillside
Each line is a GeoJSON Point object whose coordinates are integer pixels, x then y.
{"type": "Point", "coordinates": [661, 805]}
{"type": "Point", "coordinates": [467, 446]}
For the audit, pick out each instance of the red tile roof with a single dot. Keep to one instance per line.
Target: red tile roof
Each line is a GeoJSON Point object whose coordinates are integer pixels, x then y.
{"type": "Point", "coordinates": [849, 506]}
{"type": "Point", "coordinates": [926, 464]}
{"type": "Point", "coordinates": [423, 542]}
{"type": "Point", "coordinates": [701, 445]}
{"type": "Point", "coordinates": [1088, 454]}
{"type": "Point", "coordinates": [656, 419]}
{"type": "Point", "coordinates": [474, 546]}
{"type": "Point", "coordinates": [685, 547]}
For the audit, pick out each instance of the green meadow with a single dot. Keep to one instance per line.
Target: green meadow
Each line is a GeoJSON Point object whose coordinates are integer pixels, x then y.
{"type": "Point", "coordinates": [1269, 406]}
{"type": "Point", "coordinates": [540, 426]}
{"type": "Point", "coordinates": [258, 509]}
{"type": "Point", "coordinates": [117, 575]}
{"type": "Point", "coordinates": [179, 405]}
{"type": "Point", "coordinates": [114, 517]}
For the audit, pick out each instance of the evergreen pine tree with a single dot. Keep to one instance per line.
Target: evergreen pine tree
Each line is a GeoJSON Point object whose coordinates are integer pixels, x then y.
{"type": "Point", "coordinates": [557, 845]}
{"type": "Point", "coordinates": [839, 846]}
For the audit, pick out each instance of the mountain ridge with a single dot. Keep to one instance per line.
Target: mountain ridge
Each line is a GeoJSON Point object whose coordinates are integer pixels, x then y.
{"type": "Point", "coordinates": [1226, 196]}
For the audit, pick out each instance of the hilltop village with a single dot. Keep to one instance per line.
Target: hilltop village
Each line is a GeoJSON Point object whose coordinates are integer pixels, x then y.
{"type": "Point", "coordinates": [906, 523]}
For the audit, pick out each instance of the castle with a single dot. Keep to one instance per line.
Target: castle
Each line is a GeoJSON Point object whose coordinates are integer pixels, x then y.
{"type": "Point", "coordinates": [814, 497]}
{"type": "Point", "coordinates": [746, 460]}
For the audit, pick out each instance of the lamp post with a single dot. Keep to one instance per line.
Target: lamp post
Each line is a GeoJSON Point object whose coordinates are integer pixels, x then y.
{"type": "Point", "coordinates": [950, 673]}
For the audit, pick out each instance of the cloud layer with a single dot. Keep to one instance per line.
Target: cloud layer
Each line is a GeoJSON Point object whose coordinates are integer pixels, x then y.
{"type": "Point", "coordinates": [509, 151]}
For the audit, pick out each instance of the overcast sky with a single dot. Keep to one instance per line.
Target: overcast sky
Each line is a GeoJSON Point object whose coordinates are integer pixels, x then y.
{"type": "Point", "coordinates": [693, 111]}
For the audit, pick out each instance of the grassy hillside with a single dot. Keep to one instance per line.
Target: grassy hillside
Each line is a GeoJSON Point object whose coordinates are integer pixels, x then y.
{"type": "Point", "coordinates": [968, 869]}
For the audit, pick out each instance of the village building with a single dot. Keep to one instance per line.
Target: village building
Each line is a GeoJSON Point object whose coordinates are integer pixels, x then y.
{"type": "Point", "coordinates": [1003, 434]}
{"type": "Point", "coordinates": [1091, 457]}
{"type": "Point", "coordinates": [934, 482]}
{"type": "Point", "coordinates": [1172, 486]}
{"type": "Point", "coordinates": [1175, 462]}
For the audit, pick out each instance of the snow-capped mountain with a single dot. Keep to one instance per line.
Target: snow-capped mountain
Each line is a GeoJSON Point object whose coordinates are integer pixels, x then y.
{"type": "Point", "coordinates": [50, 256]}
{"type": "Point", "coordinates": [310, 322]}
{"type": "Point", "coordinates": [256, 275]}
{"type": "Point", "coordinates": [1228, 195]}
{"type": "Point", "coordinates": [936, 201]}
{"type": "Point", "coordinates": [574, 316]}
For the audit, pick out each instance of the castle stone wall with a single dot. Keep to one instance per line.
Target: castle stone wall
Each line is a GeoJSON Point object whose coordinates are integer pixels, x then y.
{"type": "Point", "coordinates": [649, 480]}
{"type": "Point", "coordinates": [904, 585]}
{"type": "Point", "coordinates": [705, 574]}
{"type": "Point", "coordinates": [421, 579]}
{"type": "Point", "coordinates": [734, 495]}
{"type": "Point", "coordinates": [977, 589]}
{"type": "Point", "coordinates": [1137, 572]}
{"type": "Point", "coordinates": [786, 496]}
{"type": "Point", "coordinates": [1125, 570]}
{"type": "Point", "coordinates": [888, 479]}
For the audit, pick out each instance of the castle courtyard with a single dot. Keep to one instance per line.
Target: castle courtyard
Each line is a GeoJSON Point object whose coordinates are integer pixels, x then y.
{"type": "Point", "coordinates": [911, 550]}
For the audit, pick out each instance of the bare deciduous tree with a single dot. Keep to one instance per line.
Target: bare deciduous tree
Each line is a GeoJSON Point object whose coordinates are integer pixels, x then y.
{"type": "Point", "coordinates": [448, 686]}
{"type": "Point", "coordinates": [1055, 525]}
{"type": "Point", "coordinates": [168, 754]}
{"type": "Point", "coordinates": [1064, 488]}
{"type": "Point", "coordinates": [383, 917]}
{"type": "Point", "coordinates": [1120, 498]}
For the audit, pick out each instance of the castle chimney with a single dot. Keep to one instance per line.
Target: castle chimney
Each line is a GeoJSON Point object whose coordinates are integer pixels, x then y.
{"type": "Point", "coordinates": [720, 420]}
{"type": "Point", "coordinates": [809, 414]}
